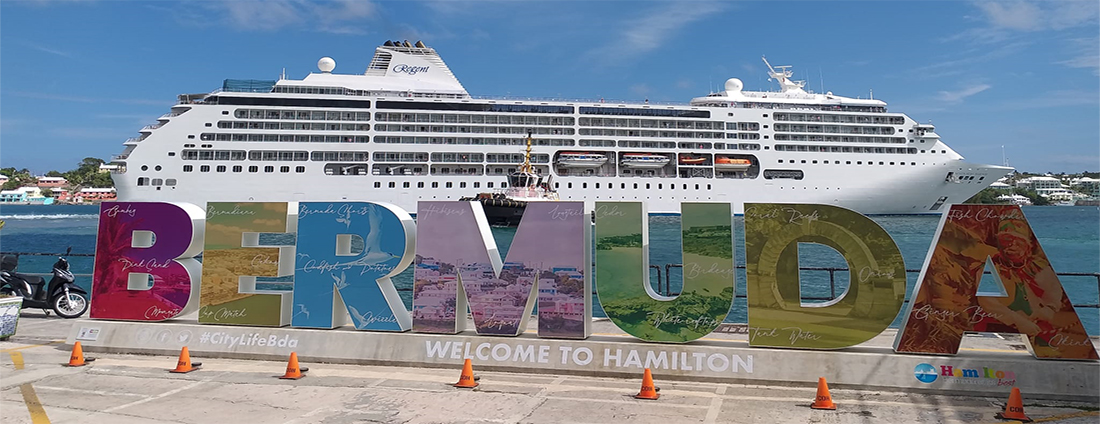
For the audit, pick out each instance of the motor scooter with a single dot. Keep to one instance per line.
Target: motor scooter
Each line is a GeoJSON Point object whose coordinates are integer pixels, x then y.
{"type": "Point", "coordinates": [63, 296]}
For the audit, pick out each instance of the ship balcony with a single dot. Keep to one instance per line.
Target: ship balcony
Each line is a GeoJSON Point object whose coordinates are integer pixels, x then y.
{"type": "Point", "coordinates": [151, 127]}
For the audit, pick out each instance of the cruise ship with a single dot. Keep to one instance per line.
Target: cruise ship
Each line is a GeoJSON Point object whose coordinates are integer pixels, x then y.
{"type": "Point", "coordinates": [407, 130]}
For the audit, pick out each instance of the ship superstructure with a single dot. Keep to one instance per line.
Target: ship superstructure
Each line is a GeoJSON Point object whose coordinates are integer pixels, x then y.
{"type": "Point", "coordinates": [407, 130]}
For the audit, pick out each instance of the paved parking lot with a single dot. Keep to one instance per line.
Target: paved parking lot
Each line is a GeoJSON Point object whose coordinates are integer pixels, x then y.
{"type": "Point", "coordinates": [36, 388]}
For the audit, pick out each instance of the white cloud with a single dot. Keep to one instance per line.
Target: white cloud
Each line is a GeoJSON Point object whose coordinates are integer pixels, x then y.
{"type": "Point", "coordinates": [51, 51]}
{"type": "Point", "coordinates": [1022, 15]}
{"type": "Point", "coordinates": [650, 31]}
{"type": "Point", "coordinates": [256, 15]}
{"type": "Point", "coordinates": [1088, 54]}
{"type": "Point", "coordinates": [1019, 15]}
{"type": "Point", "coordinates": [960, 95]}
{"type": "Point", "coordinates": [1057, 98]}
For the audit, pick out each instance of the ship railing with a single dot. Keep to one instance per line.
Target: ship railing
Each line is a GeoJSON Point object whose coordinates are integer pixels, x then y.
{"type": "Point", "coordinates": [666, 288]}
{"type": "Point", "coordinates": [577, 100]}
{"type": "Point", "coordinates": [134, 139]}
{"type": "Point", "coordinates": [151, 126]}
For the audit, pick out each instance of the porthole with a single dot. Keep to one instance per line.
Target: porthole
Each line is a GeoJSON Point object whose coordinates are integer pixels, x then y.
{"type": "Point", "coordinates": [144, 167]}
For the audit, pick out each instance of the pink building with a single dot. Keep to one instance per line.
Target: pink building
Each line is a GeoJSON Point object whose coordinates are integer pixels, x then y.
{"type": "Point", "coordinates": [51, 182]}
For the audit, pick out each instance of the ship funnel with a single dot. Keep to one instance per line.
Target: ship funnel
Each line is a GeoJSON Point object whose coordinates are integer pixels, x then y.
{"type": "Point", "coordinates": [420, 44]}
{"type": "Point", "coordinates": [407, 43]}
{"type": "Point", "coordinates": [388, 43]}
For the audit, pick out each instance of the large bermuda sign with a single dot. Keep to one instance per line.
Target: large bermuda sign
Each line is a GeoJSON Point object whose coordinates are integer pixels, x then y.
{"type": "Point", "coordinates": [339, 258]}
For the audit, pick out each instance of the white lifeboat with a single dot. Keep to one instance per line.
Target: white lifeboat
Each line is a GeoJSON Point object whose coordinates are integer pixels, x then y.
{"type": "Point", "coordinates": [581, 159]}
{"type": "Point", "coordinates": [644, 160]}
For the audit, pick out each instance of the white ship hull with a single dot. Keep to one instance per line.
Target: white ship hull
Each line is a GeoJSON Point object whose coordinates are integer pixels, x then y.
{"type": "Point", "coordinates": [197, 146]}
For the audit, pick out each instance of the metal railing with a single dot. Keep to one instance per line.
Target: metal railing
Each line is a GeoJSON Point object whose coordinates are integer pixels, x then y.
{"type": "Point", "coordinates": [666, 290]}
{"type": "Point", "coordinates": [832, 281]}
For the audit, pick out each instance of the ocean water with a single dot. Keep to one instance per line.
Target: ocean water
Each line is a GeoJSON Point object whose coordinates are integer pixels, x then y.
{"type": "Point", "coordinates": [1070, 235]}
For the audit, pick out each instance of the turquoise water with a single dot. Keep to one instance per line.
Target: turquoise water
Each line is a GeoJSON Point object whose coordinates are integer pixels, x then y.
{"type": "Point", "coordinates": [1069, 234]}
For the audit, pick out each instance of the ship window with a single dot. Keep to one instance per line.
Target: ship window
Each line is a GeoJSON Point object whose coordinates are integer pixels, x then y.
{"type": "Point", "coordinates": [204, 168]}
{"type": "Point", "coordinates": [597, 185]}
{"type": "Point", "coordinates": [489, 184]}
{"type": "Point", "coordinates": [170, 154]}
{"type": "Point", "coordinates": [158, 181]}
{"type": "Point", "coordinates": [143, 181]}
{"type": "Point", "coordinates": [269, 168]}
{"type": "Point", "coordinates": [237, 168]}
{"type": "Point", "coordinates": [170, 182]}
{"type": "Point", "coordinates": [647, 186]}
{"type": "Point", "coordinates": [208, 124]}
{"type": "Point", "coordinates": [435, 184]}
{"type": "Point", "coordinates": [188, 168]}
{"type": "Point", "coordinates": [144, 167]}
{"type": "Point", "coordinates": [570, 185]}
{"type": "Point", "coordinates": [420, 184]}
{"type": "Point", "coordinates": [477, 184]}
{"type": "Point", "coordinates": [221, 168]}
{"type": "Point", "coordinates": [635, 186]}
{"type": "Point", "coordinates": [859, 162]}
{"type": "Point", "coordinates": [300, 169]}
{"type": "Point", "coordinates": [660, 186]}
{"type": "Point", "coordinates": [815, 161]}
{"type": "Point", "coordinates": [284, 169]}
{"type": "Point", "coordinates": [377, 184]}
{"type": "Point", "coordinates": [584, 185]}
{"type": "Point", "coordinates": [393, 184]}
{"type": "Point", "coordinates": [708, 186]}
{"type": "Point", "coordinates": [504, 184]}
{"type": "Point", "coordinates": [253, 168]}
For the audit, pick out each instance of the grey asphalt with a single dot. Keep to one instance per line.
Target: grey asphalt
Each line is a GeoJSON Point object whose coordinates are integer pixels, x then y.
{"type": "Point", "coordinates": [118, 388]}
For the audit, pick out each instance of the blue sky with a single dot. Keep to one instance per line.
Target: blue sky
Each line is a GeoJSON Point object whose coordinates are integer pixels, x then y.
{"type": "Point", "coordinates": [77, 78]}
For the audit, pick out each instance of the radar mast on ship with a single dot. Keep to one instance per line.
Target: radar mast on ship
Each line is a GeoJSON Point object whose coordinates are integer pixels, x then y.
{"type": "Point", "coordinates": [783, 76]}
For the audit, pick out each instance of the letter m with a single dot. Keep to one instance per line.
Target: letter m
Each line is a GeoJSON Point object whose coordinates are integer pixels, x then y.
{"type": "Point", "coordinates": [458, 265]}
{"type": "Point", "coordinates": [970, 373]}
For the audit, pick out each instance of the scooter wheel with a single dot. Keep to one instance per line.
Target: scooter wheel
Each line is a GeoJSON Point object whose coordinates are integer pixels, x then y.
{"type": "Point", "coordinates": [71, 306]}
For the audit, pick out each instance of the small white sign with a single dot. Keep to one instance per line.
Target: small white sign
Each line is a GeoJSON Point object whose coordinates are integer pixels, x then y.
{"type": "Point", "coordinates": [88, 334]}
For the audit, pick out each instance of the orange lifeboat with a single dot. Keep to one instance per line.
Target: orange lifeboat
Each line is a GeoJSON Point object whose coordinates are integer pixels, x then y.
{"type": "Point", "coordinates": [688, 160]}
{"type": "Point", "coordinates": [731, 164]}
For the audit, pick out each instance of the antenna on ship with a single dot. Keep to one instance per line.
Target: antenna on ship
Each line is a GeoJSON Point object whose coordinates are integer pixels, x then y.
{"type": "Point", "coordinates": [526, 168]}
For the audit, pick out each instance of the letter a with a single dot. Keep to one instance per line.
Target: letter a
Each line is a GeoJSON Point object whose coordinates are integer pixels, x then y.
{"type": "Point", "coordinates": [946, 302]}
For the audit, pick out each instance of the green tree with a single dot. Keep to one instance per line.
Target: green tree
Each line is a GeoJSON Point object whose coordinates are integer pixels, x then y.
{"type": "Point", "coordinates": [54, 174]}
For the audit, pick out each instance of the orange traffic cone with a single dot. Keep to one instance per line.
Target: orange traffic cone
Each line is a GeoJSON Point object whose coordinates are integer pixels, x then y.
{"type": "Point", "coordinates": [184, 364]}
{"type": "Point", "coordinates": [77, 359]}
{"type": "Point", "coordinates": [293, 371]}
{"type": "Point", "coordinates": [823, 400]}
{"type": "Point", "coordinates": [649, 391]}
{"type": "Point", "coordinates": [1015, 408]}
{"type": "Point", "coordinates": [467, 380]}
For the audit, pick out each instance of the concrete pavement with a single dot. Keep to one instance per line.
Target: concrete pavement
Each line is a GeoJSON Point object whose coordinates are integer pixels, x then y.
{"type": "Point", "coordinates": [118, 388]}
